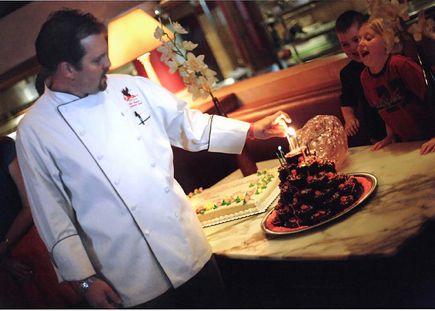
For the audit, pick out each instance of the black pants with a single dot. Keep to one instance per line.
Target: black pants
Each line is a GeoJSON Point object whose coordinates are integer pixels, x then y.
{"type": "Point", "coordinates": [206, 290]}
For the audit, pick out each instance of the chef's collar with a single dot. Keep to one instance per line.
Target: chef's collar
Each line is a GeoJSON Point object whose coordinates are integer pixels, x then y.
{"type": "Point", "coordinates": [61, 97]}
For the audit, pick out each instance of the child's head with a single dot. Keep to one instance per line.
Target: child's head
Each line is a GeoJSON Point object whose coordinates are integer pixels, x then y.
{"type": "Point", "coordinates": [375, 43]}
{"type": "Point", "coordinates": [346, 27]}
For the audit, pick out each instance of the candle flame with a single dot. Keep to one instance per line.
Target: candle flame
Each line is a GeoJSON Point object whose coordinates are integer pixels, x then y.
{"type": "Point", "coordinates": [291, 131]}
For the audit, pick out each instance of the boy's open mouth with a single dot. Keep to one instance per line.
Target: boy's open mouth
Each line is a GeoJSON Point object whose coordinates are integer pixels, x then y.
{"type": "Point", "coordinates": [364, 53]}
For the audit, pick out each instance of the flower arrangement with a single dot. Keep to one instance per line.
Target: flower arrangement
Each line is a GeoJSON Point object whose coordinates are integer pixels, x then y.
{"type": "Point", "coordinates": [409, 40]}
{"type": "Point", "coordinates": [395, 13]}
{"type": "Point", "coordinates": [422, 28]}
{"type": "Point", "coordinates": [199, 79]}
{"type": "Point", "coordinates": [390, 10]}
{"type": "Point", "coordinates": [177, 55]}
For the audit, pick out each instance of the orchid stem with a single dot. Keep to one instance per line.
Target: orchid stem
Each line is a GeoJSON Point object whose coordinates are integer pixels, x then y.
{"type": "Point", "coordinates": [218, 106]}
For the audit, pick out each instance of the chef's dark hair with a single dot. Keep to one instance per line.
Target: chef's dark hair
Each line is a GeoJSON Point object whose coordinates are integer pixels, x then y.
{"type": "Point", "coordinates": [347, 19]}
{"type": "Point", "coordinates": [59, 38]}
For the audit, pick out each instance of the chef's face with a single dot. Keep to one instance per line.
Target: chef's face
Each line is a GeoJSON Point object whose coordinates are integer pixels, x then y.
{"type": "Point", "coordinates": [91, 78]}
{"type": "Point", "coordinates": [349, 42]}
{"type": "Point", "coordinates": [372, 48]}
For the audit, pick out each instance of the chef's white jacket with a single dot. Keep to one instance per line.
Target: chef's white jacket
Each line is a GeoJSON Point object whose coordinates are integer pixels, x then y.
{"type": "Point", "coordinates": [99, 175]}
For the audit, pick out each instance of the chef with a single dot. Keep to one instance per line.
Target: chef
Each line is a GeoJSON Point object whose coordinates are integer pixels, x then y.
{"type": "Point", "coordinates": [95, 152]}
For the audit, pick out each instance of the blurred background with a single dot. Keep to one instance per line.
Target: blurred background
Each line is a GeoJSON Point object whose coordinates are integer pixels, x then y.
{"type": "Point", "coordinates": [239, 39]}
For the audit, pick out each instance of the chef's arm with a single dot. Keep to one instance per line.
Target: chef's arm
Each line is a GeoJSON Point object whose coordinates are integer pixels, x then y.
{"type": "Point", "coordinates": [269, 126]}
{"type": "Point", "coordinates": [193, 130]}
{"type": "Point", "coordinates": [219, 134]}
{"type": "Point", "coordinates": [52, 210]}
{"type": "Point", "coordinates": [99, 294]}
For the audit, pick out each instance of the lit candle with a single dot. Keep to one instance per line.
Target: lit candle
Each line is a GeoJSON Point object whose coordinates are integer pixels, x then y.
{"type": "Point", "coordinates": [280, 152]}
{"type": "Point", "coordinates": [308, 150]}
{"type": "Point", "coordinates": [279, 158]}
{"type": "Point", "coordinates": [298, 144]}
{"type": "Point", "coordinates": [286, 129]}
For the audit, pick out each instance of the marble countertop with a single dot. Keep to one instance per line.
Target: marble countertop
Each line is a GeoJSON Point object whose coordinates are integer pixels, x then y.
{"type": "Point", "coordinates": [403, 201]}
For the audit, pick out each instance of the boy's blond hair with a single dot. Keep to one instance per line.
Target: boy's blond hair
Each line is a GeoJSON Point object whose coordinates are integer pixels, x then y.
{"type": "Point", "coordinates": [380, 27]}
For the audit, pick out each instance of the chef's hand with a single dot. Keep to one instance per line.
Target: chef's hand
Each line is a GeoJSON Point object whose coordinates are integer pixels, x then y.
{"type": "Point", "coordinates": [101, 295]}
{"type": "Point", "coordinates": [351, 126]}
{"type": "Point", "coordinates": [270, 126]}
{"type": "Point", "coordinates": [428, 147]}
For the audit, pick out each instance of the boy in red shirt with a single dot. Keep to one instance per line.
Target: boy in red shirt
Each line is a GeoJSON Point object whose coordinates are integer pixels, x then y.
{"type": "Point", "coordinates": [394, 85]}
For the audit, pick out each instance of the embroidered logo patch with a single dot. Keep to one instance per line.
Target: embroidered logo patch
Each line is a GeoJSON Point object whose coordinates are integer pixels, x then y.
{"type": "Point", "coordinates": [131, 99]}
{"type": "Point", "coordinates": [142, 121]}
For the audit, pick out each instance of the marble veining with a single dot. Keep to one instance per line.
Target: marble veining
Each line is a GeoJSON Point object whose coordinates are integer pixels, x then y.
{"type": "Point", "coordinates": [403, 201]}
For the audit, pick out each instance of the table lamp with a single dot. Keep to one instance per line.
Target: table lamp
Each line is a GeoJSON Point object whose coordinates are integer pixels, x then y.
{"type": "Point", "coordinates": [131, 37]}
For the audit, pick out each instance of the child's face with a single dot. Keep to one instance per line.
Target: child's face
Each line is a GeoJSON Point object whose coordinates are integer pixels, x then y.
{"type": "Point", "coordinates": [372, 48]}
{"type": "Point", "coordinates": [349, 42]}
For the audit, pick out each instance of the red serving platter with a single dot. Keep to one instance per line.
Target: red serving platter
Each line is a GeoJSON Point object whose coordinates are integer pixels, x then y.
{"type": "Point", "coordinates": [369, 183]}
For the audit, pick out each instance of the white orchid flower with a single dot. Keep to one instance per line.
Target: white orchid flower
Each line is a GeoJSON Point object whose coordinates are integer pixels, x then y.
{"type": "Point", "coordinates": [173, 66]}
{"type": "Point", "coordinates": [195, 91]}
{"type": "Point", "coordinates": [178, 28]}
{"type": "Point", "coordinates": [195, 74]}
{"type": "Point", "coordinates": [195, 63]}
{"type": "Point", "coordinates": [189, 45]}
{"type": "Point", "coordinates": [401, 9]}
{"type": "Point", "coordinates": [158, 33]}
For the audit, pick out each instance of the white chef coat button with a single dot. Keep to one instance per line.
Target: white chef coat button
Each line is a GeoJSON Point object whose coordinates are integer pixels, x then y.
{"type": "Point", "coordinates": [166, 189]}
{"type": "Point", "coordinates": [100, 157]}
{"type": "Point", "coordinates": [116, 181]}
{"type": "Point", "coordinates": [147, 232]}
{"type": "Point", "coordinates": [133, 207]}
{"type": "Point", "coordinates": [82, 133]}
{"type": "Point", "coordinates": [139, 137]}
{"type": "Point", "coordinates": [123, 114]}
{"type": "Point", "coordinates": [153, 164]}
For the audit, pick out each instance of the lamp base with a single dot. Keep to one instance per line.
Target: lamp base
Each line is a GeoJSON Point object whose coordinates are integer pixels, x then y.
{"type": "Point", "coordinates": [146, 63]}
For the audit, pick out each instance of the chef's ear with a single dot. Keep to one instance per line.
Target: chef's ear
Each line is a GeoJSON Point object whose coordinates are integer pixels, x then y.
{"type": "Point", "coordinates": [67, 70]}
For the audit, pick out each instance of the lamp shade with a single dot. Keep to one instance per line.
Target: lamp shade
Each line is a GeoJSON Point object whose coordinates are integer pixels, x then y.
{"type": "Point", "coordinates": [132, 35]}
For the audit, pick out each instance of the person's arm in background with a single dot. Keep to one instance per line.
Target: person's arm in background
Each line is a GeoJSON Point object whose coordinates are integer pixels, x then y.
{"type": "Point", "coordinates": [347, 99]}
{"type": "Point", "coordinates": [351, 123]}
{"type": "Point", "coordinates": [389, 139]}
{"type": "Point", "coordinates": [19, 227]}
{"type": "Point", "coordinates": [428, 146]}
